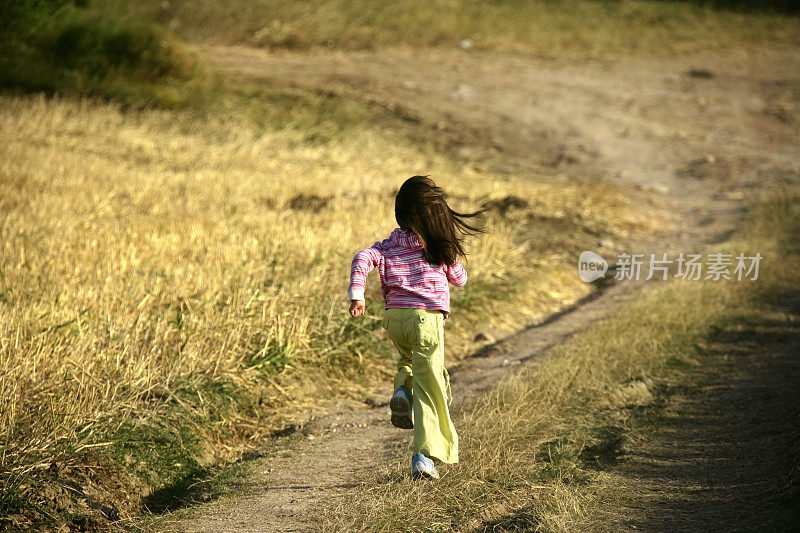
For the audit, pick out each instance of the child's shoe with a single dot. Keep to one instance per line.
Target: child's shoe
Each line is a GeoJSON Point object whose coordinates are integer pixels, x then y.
{"type": "Point", "coordinates": [400, 404]}
{"type": "Point", "coordinates": [422, 466]}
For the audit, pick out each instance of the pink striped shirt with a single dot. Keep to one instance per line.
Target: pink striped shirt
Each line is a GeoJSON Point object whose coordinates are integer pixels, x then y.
{"type": "Point", "coordinates": [407, 280]}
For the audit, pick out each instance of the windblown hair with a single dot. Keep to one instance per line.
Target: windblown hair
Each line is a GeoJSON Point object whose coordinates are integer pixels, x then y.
{"type": "Point", "coordinates": [421, 207]}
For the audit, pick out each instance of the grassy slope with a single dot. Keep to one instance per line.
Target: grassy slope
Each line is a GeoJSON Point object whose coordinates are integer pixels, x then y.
{"type": "Point", "coordinates": [65, 46]}
{"type": "Point", "coordinates": [128, 51]}
{"type": "Point", "coordinates": [531, 448]}
{"type": "Point", "coordinates": [573, 28]}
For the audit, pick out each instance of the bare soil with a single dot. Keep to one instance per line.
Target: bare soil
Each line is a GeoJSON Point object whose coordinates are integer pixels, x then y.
{"type": "Point", "coordinates": [695, 145]}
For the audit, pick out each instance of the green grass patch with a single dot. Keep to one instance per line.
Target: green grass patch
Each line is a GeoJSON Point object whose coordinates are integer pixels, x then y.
{"type": "Point", "coordinates": [62, 46]}
{"type": "Point", "coordinates": [164, 456]}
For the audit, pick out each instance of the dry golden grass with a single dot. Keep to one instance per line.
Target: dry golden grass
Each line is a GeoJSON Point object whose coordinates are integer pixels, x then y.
{"type": "Point", "coordinates": [172, 287]}
{"type": "Point", "coordinates": [536, 451]}
{"type": "Point", "coordinates": [159, 270]}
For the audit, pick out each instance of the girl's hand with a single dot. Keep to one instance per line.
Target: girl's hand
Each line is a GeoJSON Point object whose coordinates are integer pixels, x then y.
{"type": "Point", "coordinates": [357, 307]}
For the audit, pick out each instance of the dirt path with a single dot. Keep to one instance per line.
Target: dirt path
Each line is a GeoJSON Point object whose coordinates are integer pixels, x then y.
{"type": "Point", "coordinates": [336, 451]}
{"type": "Point", "coordinates": [692, 143]}
{"type": "Point", "coordinates": [717, 460]}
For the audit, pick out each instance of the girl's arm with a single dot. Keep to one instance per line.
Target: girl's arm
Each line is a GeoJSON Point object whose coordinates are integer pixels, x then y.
{"type": "Point", "coordinates": [456, 274]}
{"type": "Point", "coordinates": [363, 263]}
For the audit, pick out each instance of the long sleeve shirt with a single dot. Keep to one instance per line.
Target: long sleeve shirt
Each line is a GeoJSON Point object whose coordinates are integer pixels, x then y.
{"type": "Point", "coordinates": [407, 279]}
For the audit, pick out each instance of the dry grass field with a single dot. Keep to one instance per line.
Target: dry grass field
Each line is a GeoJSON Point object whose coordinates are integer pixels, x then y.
{"type": "Point", "coordinates": [540, 453]}
{"type": "Point", "coordinates": [168, 279]}
{"type": "Point", "coordinates": [175, 247]}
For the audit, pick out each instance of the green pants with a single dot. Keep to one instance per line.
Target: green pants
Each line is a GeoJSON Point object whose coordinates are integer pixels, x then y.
{"type": "Point", "coordinates": [419, 337]}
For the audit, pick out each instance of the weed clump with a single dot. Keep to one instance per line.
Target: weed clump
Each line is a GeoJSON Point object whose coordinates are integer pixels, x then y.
{"type": "Point", "coordinates": [63, 46]}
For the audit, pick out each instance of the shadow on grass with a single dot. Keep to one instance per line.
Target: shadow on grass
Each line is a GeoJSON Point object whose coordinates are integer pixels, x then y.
{"type": "Point", "coordinates": [203, 485]}
{"type": "Point", "coordinates": [784, 7]}
{"type": "Point", "coordinates": [186, 491]}
{"type": "Point", "coordinates": [606, 452]}
{"type": "Point", "coordinates": [523, 519]}
{"type": "Point", "coordinates": [733, 441]}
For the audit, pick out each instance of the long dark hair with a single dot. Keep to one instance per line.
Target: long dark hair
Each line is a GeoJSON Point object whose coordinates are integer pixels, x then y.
{"type": "Point", "coordinates": [421, 206]}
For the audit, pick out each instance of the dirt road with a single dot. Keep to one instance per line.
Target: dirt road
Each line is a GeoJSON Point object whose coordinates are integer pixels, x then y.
{"type": "Point", "coordinates": [693, 134]}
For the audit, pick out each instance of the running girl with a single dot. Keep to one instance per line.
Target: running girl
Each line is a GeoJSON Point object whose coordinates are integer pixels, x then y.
{"type": "Point", "coordinates": [415, 264]}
